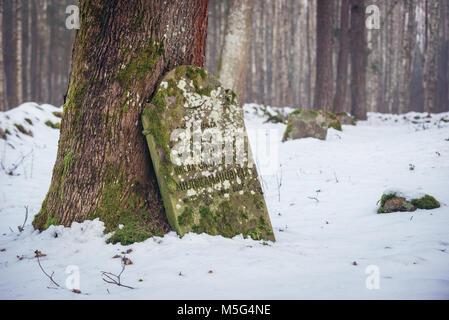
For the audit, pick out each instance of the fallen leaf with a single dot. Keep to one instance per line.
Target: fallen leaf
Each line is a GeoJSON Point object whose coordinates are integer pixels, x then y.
{"type": "Point", "coordinates": [129, 251]}
{"type": "Point", "coordinates": [39, 254]}
{"type": "Point", "coordinates": [210, 271]}
{"type": "Point", "coordinates": [20, 228]}
{"type": "Point", "coordinates": [127, 261]}
{"type": "Point", "coordinates": [116, 256]}
{"type": "Point", "coordinates": [354, 263]}
{"type": "Point", "coordinates": [76, 291]}
{"type": "Point", "coordinates": [2, 250]}
{"type": "Point", "coordinates": [19, 257]}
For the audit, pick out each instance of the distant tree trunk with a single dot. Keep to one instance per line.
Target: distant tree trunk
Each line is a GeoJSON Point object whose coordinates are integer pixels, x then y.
{"type": "Point", "coordinates": [34, 44]}
{"type": "Point", "coordinates": [343, 58]}
{"type": "Point", "coordinates": [234, 56]}
{"type": "Point", "coordinates": [358, 59]}
{"type": "Point", "coordinates": [431, 55]}
{"type": "Point", "coordinates": [309, 58]}
{"type": "Point", "coordinates": [407, 54]}
{"type": "Point", "coordinates": [324, 70]}
{"type": "Point", "coordinates": [10, 51]}
{"type": "Point", "coordinates": [103, 168]}
{"type": "Point", "coordinates": [19, 46]}
{"type": "Point", "coordinates": [3, 94]}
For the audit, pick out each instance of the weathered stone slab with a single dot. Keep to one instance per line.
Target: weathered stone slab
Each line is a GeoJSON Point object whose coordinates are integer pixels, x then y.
{"type": "Point", "coordinates": [199, 148]}
{"type": "Point", "coordinates": [310, 124]}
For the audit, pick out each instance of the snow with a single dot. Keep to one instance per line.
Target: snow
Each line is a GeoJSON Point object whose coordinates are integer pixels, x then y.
{"type": "Point", "coordinates": [323, 214]}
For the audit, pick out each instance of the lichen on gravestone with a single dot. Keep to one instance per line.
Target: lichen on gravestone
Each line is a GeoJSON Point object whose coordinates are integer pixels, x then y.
{"type": "Point", "coordinates": [200, 151]}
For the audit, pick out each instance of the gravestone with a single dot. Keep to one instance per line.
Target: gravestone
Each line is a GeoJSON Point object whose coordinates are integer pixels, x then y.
{"type": "Point", "coordinates": [198, 144]}
{"type": "Point", "coordinates": [310, 124]}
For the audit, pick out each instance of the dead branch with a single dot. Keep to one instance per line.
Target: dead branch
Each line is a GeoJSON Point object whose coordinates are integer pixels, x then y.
{"type": "Point", "coordinates": [38, 255]}
{"type": "Point", "coordinates": [21, 228]}
{"type": "Point", "coordinates": [111, 278]}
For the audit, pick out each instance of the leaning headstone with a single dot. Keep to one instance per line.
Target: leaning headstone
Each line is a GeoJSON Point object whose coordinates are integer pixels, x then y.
{"type": "Point", "coordinates": [345, 119]}
{"type": "Point", "coordinates": [200, 152]}
{"type": "Point", "coordinates": [310, 124]}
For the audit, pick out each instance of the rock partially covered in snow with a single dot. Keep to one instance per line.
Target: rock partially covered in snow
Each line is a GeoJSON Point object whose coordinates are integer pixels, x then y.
{"type": "Point", "coordinates": [310, 124]}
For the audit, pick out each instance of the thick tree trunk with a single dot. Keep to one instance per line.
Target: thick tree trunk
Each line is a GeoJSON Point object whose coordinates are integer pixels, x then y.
{"type": "Point", "coordinates": [343, 58]}
{"type": "Point", "coordinates": [358, 59]}
{"type": "Point", "coordinates": [103, 168]}
{"type": "Point", "coordinates": [324, 70]}
{"type": "Point", "coordinates": [234, 57]}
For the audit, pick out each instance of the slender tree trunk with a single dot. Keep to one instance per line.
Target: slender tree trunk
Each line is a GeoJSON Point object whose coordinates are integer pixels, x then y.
{"type": "Point", "coordinates": [324, 70]}
{"type": "Point", "coordinates": [19, 46]}
{"type": "Point", "coordinates": [3, 94]}
{"type": "Point", "coordinates": [407, 54]}
{"type": "Point", "coordinates": [358, 59]}
{"type": "Point", "coordinates": [103, 168]}
{"type": "Point", "coordinates": [10, 51]}
{"type": "Point", "coordinates": [309, 58]}
{"type": "Point", "coordinates": [343, 58]}
{"type": "Point", "coordinates": [235, 53]}
{"type": "Point", "coordinates": [431, 55]}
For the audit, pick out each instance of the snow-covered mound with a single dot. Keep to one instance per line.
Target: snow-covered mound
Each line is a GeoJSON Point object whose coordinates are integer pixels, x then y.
{"type": "Point", "coordinates": [26, 159]}
{"type": "Point", "coordinates": [416, 120]}
{"type": "Point", "coordinates": [321, 196]}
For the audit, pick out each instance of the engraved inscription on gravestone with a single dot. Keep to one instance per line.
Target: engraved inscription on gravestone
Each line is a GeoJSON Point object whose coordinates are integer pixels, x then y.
{"type": "Point", "coordinates": [200, 152]}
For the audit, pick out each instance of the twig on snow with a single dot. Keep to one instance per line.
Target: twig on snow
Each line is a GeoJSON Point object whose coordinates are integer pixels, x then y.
{"type": "Point", "coordinates": [111, 278]}
{"type": "Point", "coordinates": [38, 255]}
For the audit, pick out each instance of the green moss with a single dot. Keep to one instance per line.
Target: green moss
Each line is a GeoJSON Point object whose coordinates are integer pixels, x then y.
{"type": "Point", "coordinates": [385, 198]}
{"type": "Point", "coordinates": [50, 124]}
{"type": "Point", "coordinates": [29, 121]}
{"type": "Point", "coordinates": [57, 114]}
{"type": "Point", "coordinates": [50, 222]}
{"type": "Point", "coordinates": [130, 233]}
{"type": "Point", "coordinates": [186, 218]}
{"type": "Point", "coordinates": [141, 62]}
{"type": "Point", "coordinates": [130, 211]}
{"type": "Point", "coordinates": [259, 230]}
{"type": "Point", "coordinates": [23, 130]}
{"type": "Point", "coordinates": [427, 202]}
{"type": "Point", "coordinates": [159, 100]}
{"type": "Point", "coordinates": [335, 124]}
{"type": "Point", "coordinates": [8, 132]}
{"type": "Point", "coordinates": [287, 132]}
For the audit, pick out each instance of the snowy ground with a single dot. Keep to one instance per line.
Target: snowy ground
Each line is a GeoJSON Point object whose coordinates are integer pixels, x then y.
{"type": "Point", "coordinates": [324, 221]}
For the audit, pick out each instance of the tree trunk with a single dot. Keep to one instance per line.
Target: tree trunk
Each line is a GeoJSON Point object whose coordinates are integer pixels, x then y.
{"type": "Point", "coordinates": [358, 59]}
{"type": "Point", "coordinates": [3, 94]}
{"type": "Point", "coordinates": [234, 57]}
{"type": "Point", "coordinates": [10, 51]}
{"type": "Point", "coordinates": [324, 70]}
{"type": "Point", "coordinates": [431, 55]}
{"type": "Point", "coordinates": [103, 168]}
{"type": "Point", "coordinates": [343, 58]}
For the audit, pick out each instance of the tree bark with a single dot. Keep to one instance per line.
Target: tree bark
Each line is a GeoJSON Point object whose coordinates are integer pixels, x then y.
{"type": "Point", "coordinates": [343, 58]}
{"type": "Point", "coordinates": [358, 59]}
{"type": "Point", "coordinates": [103, 169]}
{"type": "Point", "coordinates": [324, 70]}
{"type": "Point", "coordinates": [3, 94]}
{"type": "Point", "coordinates": [10, 51]}
{"type": "Point", "coordinates": [234, 57]}
{"type": "Point", "coordinates": [431, 55]}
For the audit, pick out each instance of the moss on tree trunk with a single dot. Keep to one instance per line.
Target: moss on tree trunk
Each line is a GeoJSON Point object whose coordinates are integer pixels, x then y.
{"type": "Point", "coordinates": [103, 168]}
